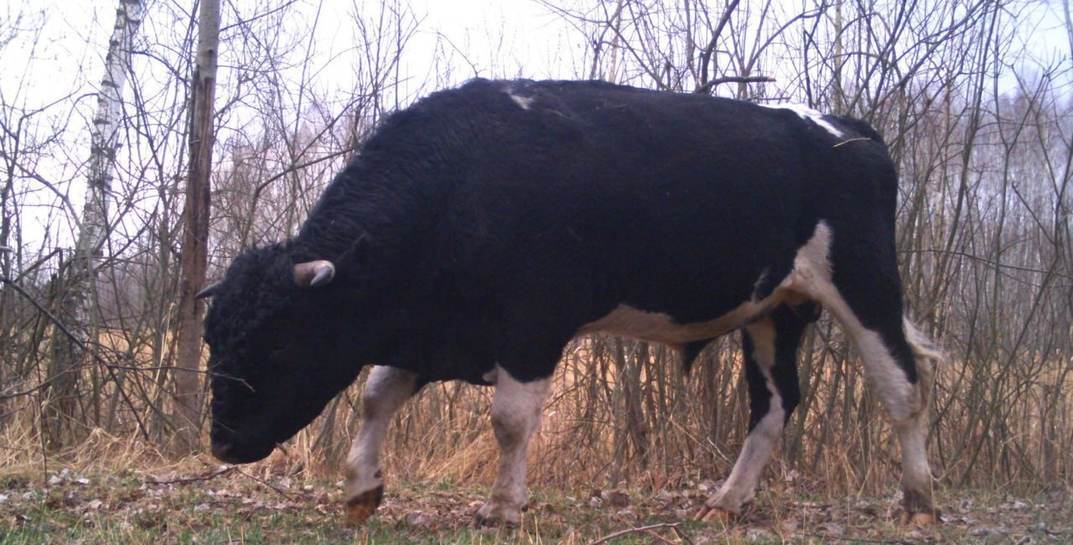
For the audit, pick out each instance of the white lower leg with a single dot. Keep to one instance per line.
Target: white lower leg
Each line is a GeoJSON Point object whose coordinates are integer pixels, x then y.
{"type": "Point", "coordinates": [916, 474]}
{"type": "Point", "coordinates": [740, 486]}
{"type": "Point", "coordinates": [906, 402]}
{"type": "Point", "coordinates": [516, 413]}
{"type": "Point", "coordinates": [386, 389]}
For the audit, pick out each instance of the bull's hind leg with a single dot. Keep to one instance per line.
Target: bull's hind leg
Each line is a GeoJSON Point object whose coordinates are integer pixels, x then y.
{"type": "Point", "coordinates": [770, 350]}
{"type": "Point", "coordinates": [865, 296]}
{"type": "Point", "coordinates": [386, 389]}
{"type": "Point", "coordinates": [516, 411]}
{"type": "Point", "coordinates": [901, 373]}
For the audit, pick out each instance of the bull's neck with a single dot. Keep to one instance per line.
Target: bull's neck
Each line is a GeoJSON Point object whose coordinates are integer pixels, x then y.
{"type": "Point", "coordinates": [382, 207]}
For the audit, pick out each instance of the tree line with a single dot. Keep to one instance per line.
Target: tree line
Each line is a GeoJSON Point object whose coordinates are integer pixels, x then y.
{"type": "Point", "coordinates": [106, 227]}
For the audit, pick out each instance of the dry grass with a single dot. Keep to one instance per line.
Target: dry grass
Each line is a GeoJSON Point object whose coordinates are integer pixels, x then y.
{"type": "Point", "coordinates": [440, 460]}
{"type": "Point", "coordinates": [195, 501]}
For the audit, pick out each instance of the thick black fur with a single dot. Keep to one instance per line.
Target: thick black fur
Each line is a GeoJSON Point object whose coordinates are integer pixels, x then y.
{"type": "Point", "coordinates": [470, 231]}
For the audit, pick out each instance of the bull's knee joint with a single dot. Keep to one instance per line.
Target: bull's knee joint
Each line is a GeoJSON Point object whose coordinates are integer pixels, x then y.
{"type": "Point", "coordinates": [508, 428]}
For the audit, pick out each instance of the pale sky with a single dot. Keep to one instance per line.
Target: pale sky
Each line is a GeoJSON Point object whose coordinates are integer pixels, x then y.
{"type": "Point", "coordinates": [58, 46]}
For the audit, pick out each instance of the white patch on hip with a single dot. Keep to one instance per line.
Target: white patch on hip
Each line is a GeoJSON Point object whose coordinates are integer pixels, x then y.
{"type": "Point", "coordinates": [811, 276]}
{"type": "Point", "coordinates": [806, 113]}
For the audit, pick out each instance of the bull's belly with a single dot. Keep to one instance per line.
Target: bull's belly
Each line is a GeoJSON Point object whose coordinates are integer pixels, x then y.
{"type": "Point", "coordinates": [809, 279]}
{"type": "Point", "coordinates": [628, 321]}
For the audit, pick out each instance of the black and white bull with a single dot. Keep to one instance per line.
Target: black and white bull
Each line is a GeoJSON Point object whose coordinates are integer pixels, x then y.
{"type": "Point", "coordinates": [480, 230]}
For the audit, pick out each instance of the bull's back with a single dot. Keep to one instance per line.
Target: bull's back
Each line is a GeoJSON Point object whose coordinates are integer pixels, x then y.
{"type": "Point", "coordinates": [668, 203]}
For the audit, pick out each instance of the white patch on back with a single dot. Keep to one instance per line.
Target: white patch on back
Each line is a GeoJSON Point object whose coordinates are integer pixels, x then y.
{"type": "Point", "coordinates": [808, 114]}
{"type": "Point", "coordinates": [523, 102]}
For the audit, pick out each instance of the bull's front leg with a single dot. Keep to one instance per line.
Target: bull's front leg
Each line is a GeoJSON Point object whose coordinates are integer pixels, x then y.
{"type": "Point", "coordinates": [386, 389]}
{"type": "Point", "coordinates": [516, 412]}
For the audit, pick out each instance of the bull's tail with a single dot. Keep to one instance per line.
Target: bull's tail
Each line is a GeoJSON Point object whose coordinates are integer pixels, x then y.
{"type": "Point", "coordinates": [926, 354]}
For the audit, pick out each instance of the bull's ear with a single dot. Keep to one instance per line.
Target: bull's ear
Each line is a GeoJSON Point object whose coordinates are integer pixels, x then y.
{"type": "Point", "coordinates": [313, 274]}
{"type": "Point", "coordinates": [210, 290]}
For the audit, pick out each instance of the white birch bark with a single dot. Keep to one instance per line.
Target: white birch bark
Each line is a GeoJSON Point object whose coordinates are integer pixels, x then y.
{"type": "Point", "coordinates": [75, 286]}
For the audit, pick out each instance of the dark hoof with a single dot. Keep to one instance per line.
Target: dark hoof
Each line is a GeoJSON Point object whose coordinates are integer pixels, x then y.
{"type": "Point", "coordinates": [361, 507]}
{"type": "Point", "coordinates": [492, 516]}
{"type": "Point", "coordinates": [921, 519]}
{"type": "Point", "coordinates": [716, 515]}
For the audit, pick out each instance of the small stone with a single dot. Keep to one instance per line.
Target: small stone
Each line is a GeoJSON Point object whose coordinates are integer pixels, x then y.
{"type": "Point", "coordinates": [615, 498]}
{"type": "Point", "coordinates": [833, 528]}
{"type": "Point", "coordinates": [417, 518]}
{"type": "Point", "coordinates": [758, 534]}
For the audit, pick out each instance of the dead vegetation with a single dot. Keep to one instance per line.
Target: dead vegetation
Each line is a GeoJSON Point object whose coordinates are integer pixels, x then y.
{"type": "Point", "coordinates": [976, 115]}
{"type": "Point", "coordinates": [113, 493]}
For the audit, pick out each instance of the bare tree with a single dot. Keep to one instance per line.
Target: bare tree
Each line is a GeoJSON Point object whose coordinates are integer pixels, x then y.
{"type": "Point", "coordinates": [194, 257]}
{"type": "Point", "coordinates": [76, 286]}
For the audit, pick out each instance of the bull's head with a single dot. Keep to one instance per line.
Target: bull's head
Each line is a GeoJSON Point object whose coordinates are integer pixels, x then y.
{"type": "Point", "coordinates": [279, 352]}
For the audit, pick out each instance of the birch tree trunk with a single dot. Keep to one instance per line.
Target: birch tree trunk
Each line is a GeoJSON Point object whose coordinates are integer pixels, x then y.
{"type": "Point", "coordinates": [76, 283]}
{"type": "Point", "coordinates": [193, 260]}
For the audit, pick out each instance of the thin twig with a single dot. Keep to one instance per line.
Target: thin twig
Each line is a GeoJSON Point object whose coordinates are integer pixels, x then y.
{"type": "Point", "coordinates": [81, 345]}
{"type": "Point", "coordinates": [639, 529]}
{"type": "Point", "coordinates": [207, 476]}
{"type": "Point", "coordinates": [658, 537]}
{"type": "Point", "coordinates": [271, 486]}
{"type": "Point", "coordinates": [682, 535]}
{"type": "Point", "coordinates": [707, 87]}
{"type": "Point", "coordinates": [844, 142]}
{"type": "Point", "coordinates": [861, 539]}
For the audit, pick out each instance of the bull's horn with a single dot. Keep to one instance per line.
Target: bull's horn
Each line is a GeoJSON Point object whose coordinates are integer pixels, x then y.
{"type": "Point", "coordinates": [210, 290]}
{"type": "Point", "coordinates": [312, 274]}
